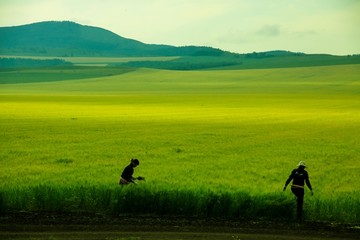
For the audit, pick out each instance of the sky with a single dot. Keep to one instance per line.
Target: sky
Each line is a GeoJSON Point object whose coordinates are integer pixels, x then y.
{"type": "Point", "coordinates": [241, 26]}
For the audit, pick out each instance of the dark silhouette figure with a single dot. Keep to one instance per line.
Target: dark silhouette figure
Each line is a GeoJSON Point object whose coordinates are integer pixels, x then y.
{"type": "Point", "coordinates": [127, 174]}
{"type": "Point", "coordinates": [299, 177]}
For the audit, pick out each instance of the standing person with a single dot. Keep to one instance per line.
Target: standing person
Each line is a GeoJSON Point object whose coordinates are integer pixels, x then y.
{"type": "Point", "coordinates": [299, 176]}
{"type": "Point", "coordinates": [127, 174]}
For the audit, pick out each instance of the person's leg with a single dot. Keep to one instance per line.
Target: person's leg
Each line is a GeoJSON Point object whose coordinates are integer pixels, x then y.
{"type": "Point", "coordinates": [122, 181]}
{"type": "Point", "coordinates": [299, 193]}
{"type": "Point", "coordinates": [300, 201]}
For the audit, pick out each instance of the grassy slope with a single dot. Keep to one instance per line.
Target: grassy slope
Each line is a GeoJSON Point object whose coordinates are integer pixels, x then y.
{"type": "Point", "coordinates": [310, 60]}
{"type": "Point", "coordinates": [224, 62]}
{"type": "Point", "coordinates": [50, 74]}
{"type": "Point", "coordinates": [194, 130]}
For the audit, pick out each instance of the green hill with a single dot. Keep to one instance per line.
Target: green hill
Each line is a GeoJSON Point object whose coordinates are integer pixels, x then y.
{"type": "Point", "coordinates": [69, 39]}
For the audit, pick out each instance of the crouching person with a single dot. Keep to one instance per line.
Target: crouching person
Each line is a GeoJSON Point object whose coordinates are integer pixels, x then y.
{"type": "Point", "coordinates": [127, 174]}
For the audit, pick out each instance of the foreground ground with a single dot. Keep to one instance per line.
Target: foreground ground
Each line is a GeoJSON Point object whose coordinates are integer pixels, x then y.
{"type": "Point", "coordinates": [81, 226]}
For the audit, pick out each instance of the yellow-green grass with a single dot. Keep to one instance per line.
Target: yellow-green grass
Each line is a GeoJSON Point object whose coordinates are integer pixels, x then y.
{"type": "Point", "coordinates": [50, 74]}
{"type": "Point", "coordinates": [197, 134]}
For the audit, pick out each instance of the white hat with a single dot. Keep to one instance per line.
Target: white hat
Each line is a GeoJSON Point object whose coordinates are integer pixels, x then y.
{"type": "Point", "coordinates": [302, 164]}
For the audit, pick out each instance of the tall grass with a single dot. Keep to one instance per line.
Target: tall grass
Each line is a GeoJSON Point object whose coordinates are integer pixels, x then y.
{"type": "Point", "coordinates": [145, 200]}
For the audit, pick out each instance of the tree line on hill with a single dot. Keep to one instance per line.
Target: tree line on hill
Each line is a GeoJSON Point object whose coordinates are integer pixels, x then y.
{"type": "Point", "coordinates": [32, 63]}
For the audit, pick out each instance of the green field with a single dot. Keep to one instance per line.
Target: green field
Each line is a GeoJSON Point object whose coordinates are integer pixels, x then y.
{"type": "Point", "coordinates": [94, 61]}
{"type": "Point", "coordinates": [210, 143]}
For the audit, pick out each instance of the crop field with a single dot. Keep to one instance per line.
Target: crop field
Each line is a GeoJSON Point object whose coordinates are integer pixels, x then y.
{"type": "Point", "coordinates": [210, 143]}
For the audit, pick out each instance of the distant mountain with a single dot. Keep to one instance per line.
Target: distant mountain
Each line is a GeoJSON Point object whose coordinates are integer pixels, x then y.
{"type": "Point", "coordinates": [69, 39]}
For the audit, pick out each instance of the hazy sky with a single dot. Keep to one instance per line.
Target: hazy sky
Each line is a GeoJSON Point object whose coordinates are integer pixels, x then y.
{"type": "Point", "coordinates": [310, 26]}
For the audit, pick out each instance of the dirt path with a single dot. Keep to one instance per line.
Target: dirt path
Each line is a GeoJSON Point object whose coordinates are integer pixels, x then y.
{"type": "Point", "coordinates": [58, 227]}
{"type": "Point", "coordinates": [120, 235]}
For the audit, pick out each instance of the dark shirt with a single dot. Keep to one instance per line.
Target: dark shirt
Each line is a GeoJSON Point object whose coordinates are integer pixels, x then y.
{"type": "Point", "coordinates": [299, 177]}
{"type": "Point", "coordinates": [127, 173]}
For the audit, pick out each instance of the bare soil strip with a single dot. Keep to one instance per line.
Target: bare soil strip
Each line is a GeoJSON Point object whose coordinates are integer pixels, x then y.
{"type": "Point", "coordinates": [90, 226]}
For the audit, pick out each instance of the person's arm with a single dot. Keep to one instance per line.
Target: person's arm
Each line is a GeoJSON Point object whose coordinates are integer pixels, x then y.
{"type": "Point", "coordinates": [132, 179]}
{"type": "Point", "coordinates": [137, 178]}
{"type": "Point", "coordinates": [308, 184]}
{"type": "Point", "coordinates": [289, 180]}
{"type": "Point", "coordinates": [307, 181]}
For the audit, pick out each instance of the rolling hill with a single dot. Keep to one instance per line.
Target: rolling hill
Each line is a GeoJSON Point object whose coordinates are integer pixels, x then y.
{"type": "Point", "coordinates": [69, 39]}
